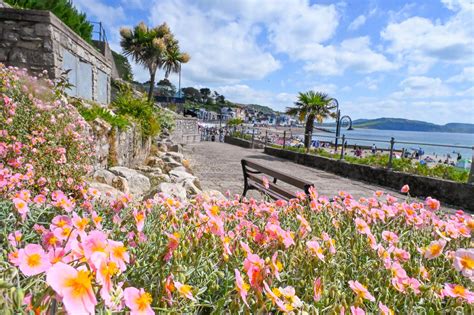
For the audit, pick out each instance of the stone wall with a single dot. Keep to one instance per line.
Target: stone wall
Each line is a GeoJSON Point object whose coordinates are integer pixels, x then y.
{"type": "Point", "coordinates": [114, 147]}
{"type": "Point", "coordinates": [452, 193]}
{"type": "Point", "coordinates": [243, 143]}
{"type": "Point", "coordinates": [38, 40]}
{"type": "Point", "coordinates": [185, 131]}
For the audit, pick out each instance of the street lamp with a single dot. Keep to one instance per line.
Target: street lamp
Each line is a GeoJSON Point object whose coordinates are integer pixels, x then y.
{"type": "Point", "coordinates": [339, 121]}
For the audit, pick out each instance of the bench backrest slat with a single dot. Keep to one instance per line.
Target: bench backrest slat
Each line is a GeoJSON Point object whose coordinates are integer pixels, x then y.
{"type": "Point", "coordinates": [299, 183]}
{"type": "Point", "coordinates": [272, 187]}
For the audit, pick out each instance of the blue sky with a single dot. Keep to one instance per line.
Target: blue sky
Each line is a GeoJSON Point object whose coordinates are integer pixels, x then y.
{"type": "Point", "coordinates": [385, 58]}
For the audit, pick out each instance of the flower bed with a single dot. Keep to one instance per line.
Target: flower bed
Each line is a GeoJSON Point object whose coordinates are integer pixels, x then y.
{"type": "Point", "coordinates": [68, 249]}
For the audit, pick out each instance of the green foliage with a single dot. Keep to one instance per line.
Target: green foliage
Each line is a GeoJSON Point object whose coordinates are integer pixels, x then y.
{"type": "Point", "coordinates": [139, 110]}
{"type": "Point", "coordinates": [235, 122]}
{"type": "Point", "coordinates": [123, 66]}
{"type": "Point", "coordinates": [97, 111]}
{"type": "Point", "coordinates": [64, 10]}
{"type": "Point", "coordinates": [400, 165]}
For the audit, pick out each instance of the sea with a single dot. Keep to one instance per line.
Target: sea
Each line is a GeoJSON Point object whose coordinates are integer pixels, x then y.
{"type": "Point", "coordinates": [381, 139]}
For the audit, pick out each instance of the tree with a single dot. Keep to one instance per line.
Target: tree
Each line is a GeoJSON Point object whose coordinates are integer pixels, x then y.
{"type": "Point", "coordinates": [173, 57]}
{"type": "Point", "coordinates": [191, 94]}
{"type": "Point", "coordinates": [165, 88]}
{"type": "Point", "coordinates": [312, 105]}
{"type": "Point", "coordinates": [205, 93]}
{"type": "Point", "coordinates": [146, 46]}
{"type": "Point", "coordinates": [235, 122]}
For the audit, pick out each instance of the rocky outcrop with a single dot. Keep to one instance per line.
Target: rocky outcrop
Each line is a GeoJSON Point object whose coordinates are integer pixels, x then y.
{"type": "Point", "coordinates": [163, 172]}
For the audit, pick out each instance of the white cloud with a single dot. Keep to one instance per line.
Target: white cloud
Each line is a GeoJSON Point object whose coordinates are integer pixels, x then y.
{"type": "Point", "coordinates": [222, 49]}
{"type": "Point", "coordinates": [328, 88]}
{"type": "Point", "coordinates": [369, 83]}
{"type": "Point", "coordinates": [420, 43]}
{"type": "Point", "coordinates": [422, 87]}
{"type": "Point", "coordinates": [358, 22]}
{"type": "Point", "coordinates": [466, 75]}
{"type": "Point", "coordinates": [241, 93]}
{"type": "Point", "coordinates": [352, 54]}
{"type": "Point", "coordinates": [101, 12]}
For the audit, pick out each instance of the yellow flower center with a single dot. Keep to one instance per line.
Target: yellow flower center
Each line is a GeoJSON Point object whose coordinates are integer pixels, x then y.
{"type": "Point", "coordinates": [79, 284]}
{"type": "Point", "coordinates": [119, 252]}
{"type": "Point", "coordinates": [459, 290]}
{"type": "Point", "coordinates": [33, 260]}
{"type": "Point", "coordinates": [143, 301]}
{"type": "Point", "coordinates": [435, 249]}
{"type": "Point", "coordinates": [215, 210]}
{"type": "Point", "coordinates": [185, 289]}
{"type": "Point", "coordinates": [467, 262]}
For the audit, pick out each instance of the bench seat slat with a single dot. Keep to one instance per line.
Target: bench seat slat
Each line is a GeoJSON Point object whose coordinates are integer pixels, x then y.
{"type": "Point", "coordinates": [270, 193]}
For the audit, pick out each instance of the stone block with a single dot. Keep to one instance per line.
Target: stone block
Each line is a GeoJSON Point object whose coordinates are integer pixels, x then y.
{"type": "Point", "coordinates": [27, 31]}
{"type": "Point", "coordinates": [11, 35]}
{"type": "Point", "coordinates": [3, 54]}
{"type": "Point", "coordinates": [43, 29]}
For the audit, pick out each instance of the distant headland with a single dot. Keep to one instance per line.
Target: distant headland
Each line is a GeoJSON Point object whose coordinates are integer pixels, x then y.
{"type": "Point", "coordinates": [412, 125]}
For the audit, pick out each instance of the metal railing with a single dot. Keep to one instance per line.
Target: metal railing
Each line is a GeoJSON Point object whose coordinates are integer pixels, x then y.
{"type": "Point", "coordinates": [100, 32]}
{"type": "Point", "coordinates": [267, 137]}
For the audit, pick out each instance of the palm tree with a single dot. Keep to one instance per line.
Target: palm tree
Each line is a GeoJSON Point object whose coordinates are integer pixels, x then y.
{"type": "Point", "coordinates": [312, 105]}
{"type": "Point", "coordinates": [173, 57]}
{"type": "Point", "coordinates": [146, 46]}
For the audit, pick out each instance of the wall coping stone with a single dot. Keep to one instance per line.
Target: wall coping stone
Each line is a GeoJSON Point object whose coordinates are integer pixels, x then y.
{"type": "Point", "coordinates": [44, 16]}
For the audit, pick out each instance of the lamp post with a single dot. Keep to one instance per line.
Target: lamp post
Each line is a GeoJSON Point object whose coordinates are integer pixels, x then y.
{"type": "Point", "coordinates": [179, 82]}
{"type": "Point", "coordinates": [338, 114]}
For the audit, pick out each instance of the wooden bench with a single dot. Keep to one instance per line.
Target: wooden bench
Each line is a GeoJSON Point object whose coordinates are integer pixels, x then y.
{"type": "Point", "coordinates": [253, 182]}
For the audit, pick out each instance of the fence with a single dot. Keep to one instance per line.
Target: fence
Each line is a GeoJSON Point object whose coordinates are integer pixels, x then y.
{"type": "Point", "coordinates": [287, 140]}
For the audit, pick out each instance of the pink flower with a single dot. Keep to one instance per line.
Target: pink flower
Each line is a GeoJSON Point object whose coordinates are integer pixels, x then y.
{"type": "Point", "coordinates": [14, 238]}
{"type": "Point", "coordinates": [405, 189]}
{"type": "Point", "coordinates": [457, 291]}
{"type": "Point", "coordinates": [390, 237]}
{"type": "Point", "coordinates": [255, 268]}
{"type": "Point", "coordinates": [185, 290]}
{"type": "Point", "coordinates": [242, 287]}
{"type": "Point", "coordinates": [357, 311]}
{"type": "Point", "coordinates": [74, 287]}
{"type": "Point", "coordinates": [317, 289]}
{"type": "Point", "coordinates": [384, 310]}
{"type": "Point", "coordinates": [362, 226]}
{"type": "Point", "coordinates": [118, 254]}
{"type": "Point", "coordinates": [33, 260]}
{"type": "Point", "coordinates": [21, 206]}
{"type": "Point", "coordinates": [434, 249]}
{"type": "Point", "coordinates": [266, 184]}
{"type": "Point", "coordinates": [173, 243]}
{"type": "Point", "coordinates": [464, 262]}
{"type": "Point", "coordinates": [361, 291]}
{"type": "Point", "coordinates": [138, 301]}
{"type": "Point", "coordinates": [433, 204]}
{"type": "Point", "coordinates": [315, 249]}
{"type": "Point", "coordinates": [276, 266]}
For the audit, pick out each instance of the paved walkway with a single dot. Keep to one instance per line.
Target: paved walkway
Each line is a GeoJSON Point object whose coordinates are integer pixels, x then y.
{"type": "Point", "coordinates": [218, 167]}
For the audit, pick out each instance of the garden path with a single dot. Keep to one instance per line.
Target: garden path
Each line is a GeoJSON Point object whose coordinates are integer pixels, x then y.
{"type": "Point", "coordinates": [218, 167]}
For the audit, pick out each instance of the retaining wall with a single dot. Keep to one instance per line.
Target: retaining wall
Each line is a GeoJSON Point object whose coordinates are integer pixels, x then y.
{"type": "Point", "coordinates": [37, 40]}
{"type": "Point", "coordinates": [185, 130]}
{"type": "Point", "coordinates": [242, 143]}
{"type": "Point", "coordinates": [452, 193]}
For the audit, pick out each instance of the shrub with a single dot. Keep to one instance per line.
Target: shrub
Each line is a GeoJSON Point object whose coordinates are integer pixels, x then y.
{"type": "Point", "coordinates": [97, 111]}
{"type": "Point", "coordinates": [41, 136]}
{"type": "Point", "coordinates": [139, 110]}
